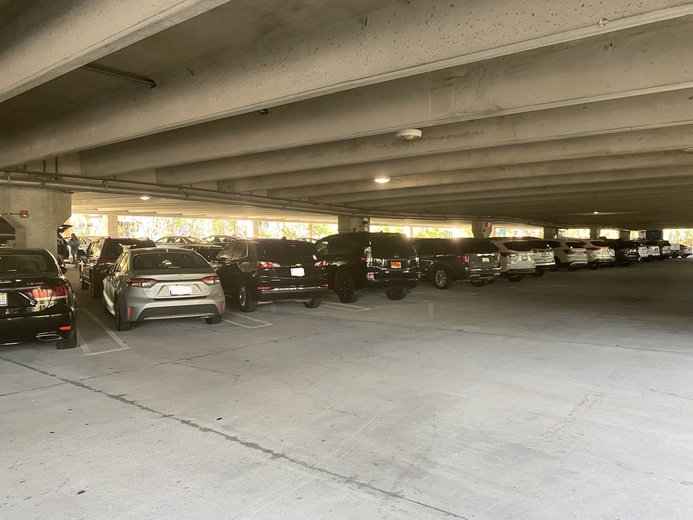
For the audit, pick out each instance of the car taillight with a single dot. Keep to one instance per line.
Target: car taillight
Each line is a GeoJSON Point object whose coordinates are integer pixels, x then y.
{"type": "Point", "coordinates": [267, 265]}
{"type": "Point", "coordinates": [464, 259]}
{"type": "Point", "coordinates": [569, 251]}
{"type": "Point", "coordinates": [142, 282]}
{"type": "Point", "coordinates": [321, 263]}
{"type": "Point", "coordinates": [367, 256]}
{"type": "Point", "coordinates": [44, 294]}
{"type": "Point", "coordinates": [625, 249]}
{"type": "Point", "coordinates": [263, 287]}
{"type": "Point", "coordinates": [211, 280]}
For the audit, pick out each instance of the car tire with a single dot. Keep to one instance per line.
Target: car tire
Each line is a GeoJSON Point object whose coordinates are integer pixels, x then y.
{"type": "Point", "coordinates": [313, 303]}
{"type": "Point", "coordinates": [555, 267]}
{"type": "Point", "coordinates": [573, 268]}
{"type": "Point", "coordinates": [245, 301]}
{"type": "Point", "coordinates": [441, 278]}
{"type": "Point", "coordinates": [68, 343]}
{"type": "Point", "coordinates": [539, 272]}
{"type": "Point", "coordinates": [344, 286]}
{"type": "Point", "coordinates": [213, 320]}
{"type": "Point", "coordinates": [395, 294]}
{"type": "Point", "coordinates": [121, 324]}
{"type": "Point", "coordinates": [480, 283]}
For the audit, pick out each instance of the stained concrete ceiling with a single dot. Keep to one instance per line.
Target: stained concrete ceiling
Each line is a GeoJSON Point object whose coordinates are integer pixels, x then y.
{"type": "Point", "coordinates": [575, 114]}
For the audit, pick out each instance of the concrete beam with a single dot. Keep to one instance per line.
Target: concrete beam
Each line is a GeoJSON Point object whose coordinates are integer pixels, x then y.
{"type": "Point", "coordinates": [626, 143]}
{"type": "Point", "coordinates": [647, 62]}
{"type": "Point", "coordinates": [613, 116]}
{"type": "Point", "coordinates": [520, 175]}
{"type": "Point", "coordinates": [57, 37]}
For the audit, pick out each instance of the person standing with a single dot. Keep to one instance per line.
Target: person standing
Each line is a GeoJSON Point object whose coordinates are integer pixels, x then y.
{"type": "Point", "coordinates": [73, 243]}
{"type": "Point", "coordinates": [62, 249]}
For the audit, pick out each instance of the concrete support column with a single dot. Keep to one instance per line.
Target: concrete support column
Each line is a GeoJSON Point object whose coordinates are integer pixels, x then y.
{"type": "Point", "coordinates": [482, 228]}
{"type": "Point", "coordinates": [654, 234]}
{"type": "Point", "coordinates": [594, 233]}
{"type": "Point", "coordinates": [112, 224]}
{"type": "Point", "coordinates": [347, 223]}
{"type": "Point", "coordinates": [47, 210]}
{"type": "Point", "coordinates": [624, 234]}
{"type": "Point", "coordinates": [550, 233]}
{"type": "Point", "coordinates": [255, 228]}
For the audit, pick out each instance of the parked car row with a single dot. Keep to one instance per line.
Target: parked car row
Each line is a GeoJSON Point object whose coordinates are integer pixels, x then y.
{"type": "Point", "coordinates": [139, 280]}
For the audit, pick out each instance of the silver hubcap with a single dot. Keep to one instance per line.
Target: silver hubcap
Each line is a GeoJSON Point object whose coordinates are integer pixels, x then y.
{"type": "Point", "coordinates": [441, 278]}
{"type": "Point", "coordinates": [242, 296]}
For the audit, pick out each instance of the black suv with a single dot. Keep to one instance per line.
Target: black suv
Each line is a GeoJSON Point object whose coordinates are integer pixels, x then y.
{"type": "Point", "coordinates": [626, 251]}
{"type": "Point", "coordinates": [100, 256]}
{"type": "Point", "coordinates": [362, 260]}
{"type": "Point", "coordinates": [263, 269]}
{"type": "Point", "coordinates": [445, 260]}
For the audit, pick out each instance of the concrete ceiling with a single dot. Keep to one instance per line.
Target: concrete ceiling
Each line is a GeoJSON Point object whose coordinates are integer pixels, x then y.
{"type": "Point", "coordinates": [576, 114]}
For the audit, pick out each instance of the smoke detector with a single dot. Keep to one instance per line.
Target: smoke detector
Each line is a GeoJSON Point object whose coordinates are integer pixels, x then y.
{"type": "Point", "coordinates": [409, 134]}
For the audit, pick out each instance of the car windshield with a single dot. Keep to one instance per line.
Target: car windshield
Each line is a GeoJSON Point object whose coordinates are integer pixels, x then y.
{"type": "Point", "coordinates": [517, 245]}
{"type": "Point", "coordinates": [192, 240]}
{"type": "Point", "coordinates": [168, 260]}
{"type": "Point", "coordinates": [28, 263]}
{"type": "Point", "coordinates": [284, 250]}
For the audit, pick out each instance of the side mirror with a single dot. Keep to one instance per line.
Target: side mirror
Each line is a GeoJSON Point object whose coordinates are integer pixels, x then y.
{"type": "Point", "coordinates": [63, 269]}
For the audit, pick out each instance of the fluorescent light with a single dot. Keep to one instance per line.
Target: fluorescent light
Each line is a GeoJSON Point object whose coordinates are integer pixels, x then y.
{"type": "Point", "coordinates": [145, 197]}
{"type": "Point", "coordinates": [596, 212]}
{"type": "Point", "coordinates": [382, 180]}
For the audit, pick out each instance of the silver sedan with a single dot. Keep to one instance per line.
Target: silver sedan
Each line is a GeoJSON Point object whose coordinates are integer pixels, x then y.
{"type": "Point", "coordinates": [158, 283]}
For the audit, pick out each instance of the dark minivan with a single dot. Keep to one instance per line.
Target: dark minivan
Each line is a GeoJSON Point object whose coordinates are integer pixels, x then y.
{"type": "Point", "coordinates": [365, 260]}
{"type": "Point", "coordinates": [446, 260]}
{"type": "Point", "coordinates": [264, 269]}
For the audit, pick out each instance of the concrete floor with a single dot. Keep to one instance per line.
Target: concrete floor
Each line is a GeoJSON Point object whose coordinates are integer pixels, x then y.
{"type": "Point", "coordinates": [567, 396]}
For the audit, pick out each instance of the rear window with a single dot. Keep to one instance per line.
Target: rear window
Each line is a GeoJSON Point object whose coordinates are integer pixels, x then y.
{"type": "Point", "coordinates": [168, 260]}
{"type": "Point", "coordinates": [476, 246]}
{"type": "Point", "coordinates": [517, 245]}
{"type": "Point", "coordinates": [285, 250]}
{"type": "Point", "coordinates": [575, 243]}
{"type": "Point", "coordinates": [391, 246]}
{"type": "Point", "coordinates": [115, 247]}
{"type": "Point", "coordinates": [13, 263]}
{"type": "Point", "coordinates": [600, 243]}
{"type": "Point", "coordinates": [538, 244]}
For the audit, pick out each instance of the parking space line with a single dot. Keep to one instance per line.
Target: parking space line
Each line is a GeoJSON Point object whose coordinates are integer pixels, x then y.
{"type": "Point", "coordinates": [415, 300]}
{"type": "Point", "coordinates": [83, 344]}
{"type": "Point", "coordinates": [114, 336]}
{"type": "Point", "coordinates": [346, 307]}
{"type": "Point", "coordinates": [259, 326]}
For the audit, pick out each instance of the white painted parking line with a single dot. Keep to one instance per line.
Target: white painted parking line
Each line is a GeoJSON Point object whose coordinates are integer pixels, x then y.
{"type": "Point", "coordinates": [346, 307]}
{"type": "Point", "coordinates": [83, 344]}
{"type": "Point", "coordinates": [415, 300]}
{"type": "Point", "coordinates": [114, 336]}
{"type": "Point", "coordinates": [259, 325]}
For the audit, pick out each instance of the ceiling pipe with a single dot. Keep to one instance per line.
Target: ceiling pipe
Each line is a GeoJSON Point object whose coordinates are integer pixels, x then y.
{"type": "Point", "coordinates": [137, 188]}
{"type": "Point", "coordinates": [119, 74]}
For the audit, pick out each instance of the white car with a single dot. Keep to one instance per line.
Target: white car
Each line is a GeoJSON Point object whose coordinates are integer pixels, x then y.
{"type": "Point", "coordinates": [599, 254]}
{"type": "Point", "coordinates": [570, 253]}
{"type": "Point", "coordinates": [543, 255]}
{"type": "Point", "coordinates": [516, 258]}
{"type": "Point", "coordinates": [681, 250]}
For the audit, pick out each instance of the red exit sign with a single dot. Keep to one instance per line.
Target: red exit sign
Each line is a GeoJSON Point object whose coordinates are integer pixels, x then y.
{"type": "Point", "coordinates": [23, 214]}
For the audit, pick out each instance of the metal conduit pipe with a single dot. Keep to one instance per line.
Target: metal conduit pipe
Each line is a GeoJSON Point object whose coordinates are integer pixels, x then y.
{"type": "Point", "coordinates": [138, 188]}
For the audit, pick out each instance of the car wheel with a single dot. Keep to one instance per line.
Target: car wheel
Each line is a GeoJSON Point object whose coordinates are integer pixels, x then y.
{"type": "Point", "coordinates": [313, 303]}
{"type": "Point", "coordinates": [555, 267]}
{"type": "Point", "coordinates": [441, 278]}
{"type": "Point", "coordinates": [479, 283]}
{"type": "Point", "coordinates": [213, 320]}
{"type": "Point", "coordinates": [94, 290]}
{"type": "Point", "coordinates": [594, 266]}
{"type": "Point", "coordinates": [121, 324]}
{"type": "Point", "coordinates": [515, 278]}
{"type": "Point", "coordinates": [395, 294]}
{"type": "Point", "coordinates": [245, 302]}
{"type": "Point", "coordinates": [344, 286]}
{"type": "Point", "coordinates": [573, 267]}
{"type": "Point", "coordinates": [539, 272]}
{"type": "Point", "coordinates": [70, 342]}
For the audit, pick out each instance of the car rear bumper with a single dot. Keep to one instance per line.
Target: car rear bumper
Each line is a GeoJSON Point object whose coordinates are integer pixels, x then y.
{"type": "Point", "coordinates": [44, 327]}
{"type": "Point", "coordinates": [520, 270]}
{"type": "Point", "coordinates": [164, 309]}
{"type": "Point", "coordinates": [291, 293]}
{"type": "Point", "coordinates": [483, 275]}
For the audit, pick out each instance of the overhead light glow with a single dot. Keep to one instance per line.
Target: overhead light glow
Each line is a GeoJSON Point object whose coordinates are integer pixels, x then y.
{"type": "Point", "coordinates": [382, 180]}
{"type": "Point", "coordinates": [145, 197]}
{"type": "Point", "coordinates": [596, 212]}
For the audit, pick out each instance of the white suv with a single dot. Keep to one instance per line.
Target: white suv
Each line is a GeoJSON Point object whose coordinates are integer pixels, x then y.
{"type": "Point", "coordinates": [599, 254]}
{"type": "Point", "coordinates": [569, 252]}
{"type": "Point", "coordinates": [516, 258]}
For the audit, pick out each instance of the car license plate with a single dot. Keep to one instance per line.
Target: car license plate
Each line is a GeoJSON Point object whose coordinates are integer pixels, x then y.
{"type": "Point", "coordinates": [484, 259]}
{"type": "Point", "coordinates": [523, 257]}
{"type": "Point", "coordinates": [298, 271]}
{"type": "Point", "coordinates": [396, 265]}
{"type": "Point", "coordinates": [3, 299]}
{"type": "Point", "coordinates": [180, 290]}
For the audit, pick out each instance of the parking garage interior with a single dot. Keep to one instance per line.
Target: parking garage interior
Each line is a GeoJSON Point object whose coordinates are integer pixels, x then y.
{"type": "Point", "coordinates": [564, 396]}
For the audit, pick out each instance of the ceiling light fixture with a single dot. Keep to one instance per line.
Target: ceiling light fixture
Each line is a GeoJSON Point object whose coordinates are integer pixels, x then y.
{"type": "Point", "coordinates": [409, 134]}
{"type": "Point", "coordinates": [145, 197]}
{"type": "Point", "coordinates": [382, 180]}
{"type": "Point", "coordinates": [596, 212]}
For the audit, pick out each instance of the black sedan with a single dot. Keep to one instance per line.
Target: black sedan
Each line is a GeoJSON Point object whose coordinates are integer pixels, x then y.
{"type": "Point", "coordinates": [36, 300]}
